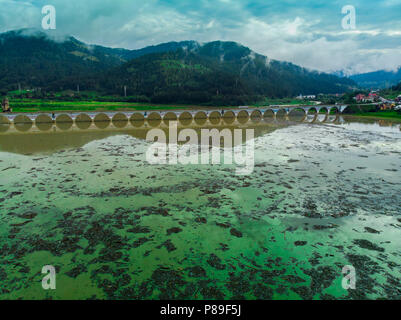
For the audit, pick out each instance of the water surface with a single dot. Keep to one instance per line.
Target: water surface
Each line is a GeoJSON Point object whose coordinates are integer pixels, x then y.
{"type": "Point", "coordinates": [321, 196]}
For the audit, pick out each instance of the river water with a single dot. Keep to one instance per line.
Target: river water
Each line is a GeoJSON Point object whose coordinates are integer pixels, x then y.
{"type": "Point", "coordinates": [321, 197]}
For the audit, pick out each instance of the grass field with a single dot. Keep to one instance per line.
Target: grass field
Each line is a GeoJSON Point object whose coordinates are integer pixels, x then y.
{"type": "Point", "coordinates": [380, 115]}
{"type": "Point", "coordinates": [36, 105]}
{"type": "Point", "coordinates": [31, 105]}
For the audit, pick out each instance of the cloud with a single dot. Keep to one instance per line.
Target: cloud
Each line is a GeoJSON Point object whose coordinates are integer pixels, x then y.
{"type": "Point", "coordinates": [307, 33]}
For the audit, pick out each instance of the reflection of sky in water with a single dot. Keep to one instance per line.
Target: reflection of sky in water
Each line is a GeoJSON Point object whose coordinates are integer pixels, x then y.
{"type": "Point", "coordinates": [382, 126]}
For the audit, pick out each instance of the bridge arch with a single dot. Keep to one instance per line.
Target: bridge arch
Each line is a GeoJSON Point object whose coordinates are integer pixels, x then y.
{"type": "Point", "coordinates": [297, 114]}
{"type": "Point", "coordinates": [334, 110]}
{"type": "Point", "coordinates": [22, 119]}
{"type": "Point", "coordinates": [269, 114]}
{"type": "Point", "coordinates": [64, 122]}
{"type": "Point", "coordinates": [281, 113]}
{"type": "Point", "coordinates": [243, 117]}
{"type": "Point", "coordinates": [243, 114]}
{"type": "Point", "coordinates": [137, 120]}
{"type": "Point", "coordinates": [256, 116]}
{"type": "Point", "coordinates": [4, 120]}
{"type": "Point", "coordinates": [200, 118]}
{"type": "Point", "coordinates": [101, 117]}
{"type": "Point", "coordinates": [322, 114]}
{"type": "Point", "coordinates": [169, 116]}
{"type": "Point", "coordinates": [154, 119]}
{"type": "Point", "coordinates": [185, 118]}
{"type": "Point", "coordinates": [83, 121]}
{"type": "Point", "coordinates": [324, 110]}
{"type": "Point", "coordinates": [297, 111]}
{"type": "Point", "coordinates": [215, 117]}
{"type": "Point", "coordinates": [43, 118]}
{"type": "Point", "coordinates": [22, 123]}
{"type": "Point", "coordinates": [281, 116]}
{"type": "Point", "coordinates": [102, 121]}
{"type": "Point", "coordinates": [83, 117]}
{"type": "Point", "coordinates": [63, 118]}
{"type": "Point", "coordinates": [44, 122]}
{"type": "Point", "coordinates": [5, 124]}
{"type": "Point", "coordinates": [229, 117]}
{"type": "Point", "coordinates": [312, 111]}
{"type": "Point", "coordinates": [312, 115]}
{"type": "Point", "coordinates": [120, 120]}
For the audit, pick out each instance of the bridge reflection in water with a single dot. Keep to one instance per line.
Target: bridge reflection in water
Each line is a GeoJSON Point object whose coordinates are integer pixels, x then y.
{"type": "Point", "coordinates": [23, 135]}
{"type": "Point", "coordinates": [121, 120]}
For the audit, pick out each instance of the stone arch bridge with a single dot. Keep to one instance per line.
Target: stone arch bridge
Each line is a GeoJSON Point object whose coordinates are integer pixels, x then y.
{"type": "Point", "coordinates": [200, 117]}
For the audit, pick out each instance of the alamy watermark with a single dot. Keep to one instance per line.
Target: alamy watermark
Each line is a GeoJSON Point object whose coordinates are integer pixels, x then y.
{"type": "Point", "coordinates": [206, 149]}
{"type": "Point", "coordinates": [349, 280]}
{"type": "Point", "coordinates": [49, 20]}
{"type": "Point", "coordinates": [349, 21]}
{"type": "Point", "coordinates": [49, 281]}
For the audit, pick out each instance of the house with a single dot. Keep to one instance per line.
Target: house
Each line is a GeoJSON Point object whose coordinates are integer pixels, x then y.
{"type": "Point", "coordinates": [373, 97]}
{"type": "Point", "coordinates": [398, 99]}
{"type": "Point", "coordinates": [360, 98]}
{"type": "Point", "coordinates": [387, 106]}
{"type": "Point", "coordinates": [302, 97]}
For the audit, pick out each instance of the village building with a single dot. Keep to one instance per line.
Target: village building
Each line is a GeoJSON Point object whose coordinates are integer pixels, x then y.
{"type": "Point", "coordinates": [302, 97]}
{"type": "Point", "coordinates": [387, 106]}
{"type": "Point", "coordinates": [372, 97]}
{"type": "Point", "coordinates": [360, 98]}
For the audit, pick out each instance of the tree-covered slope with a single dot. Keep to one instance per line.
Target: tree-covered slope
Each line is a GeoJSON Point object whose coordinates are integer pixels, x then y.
{"type": "Point", "coordinates": [215, 72]}
{"type": "Point", "coordinates": [378, 80]}
{"type": "Point", "coordinates": [32, 59]}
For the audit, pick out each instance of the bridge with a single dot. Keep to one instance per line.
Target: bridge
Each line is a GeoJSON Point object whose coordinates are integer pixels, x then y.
{"type": "Point", "coordinates": [200, 117]}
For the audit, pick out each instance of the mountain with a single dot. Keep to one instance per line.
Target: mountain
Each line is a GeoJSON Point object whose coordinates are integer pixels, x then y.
{"type": "Point", "coordinates": [33, 59]}
{"type": "Point", "coordinates": [190, 72]}
{"type": "Point", "coordinates": [163, 48]}
{"type": "Point", "coordinates": [221, 72]}
{"type": "Point", "coordinates": [397, 87]}
{"type": "Point", "coordinates": [378, 80]}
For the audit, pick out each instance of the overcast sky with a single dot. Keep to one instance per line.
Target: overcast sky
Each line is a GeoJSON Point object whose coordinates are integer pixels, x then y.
{"type": "Point", "coordinates": [306, 32]}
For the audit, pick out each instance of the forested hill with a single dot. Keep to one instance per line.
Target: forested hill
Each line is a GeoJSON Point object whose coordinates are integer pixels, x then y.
{"type": "Point", "coordinates": [216, 72]}
{"type": "Point", "coordinates": [33, 60]}
{"type": "Point", "coordinates": [378, 80]}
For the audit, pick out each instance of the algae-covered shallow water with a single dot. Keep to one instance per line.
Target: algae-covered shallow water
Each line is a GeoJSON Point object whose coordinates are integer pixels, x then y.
{"type": "Point", "coordinates": [321, 196]}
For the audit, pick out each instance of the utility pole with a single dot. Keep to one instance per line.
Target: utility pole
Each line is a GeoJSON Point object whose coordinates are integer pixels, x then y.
{"type": "Point", "coordinates": [78, 88]}
{"type": "Point", "coordinates": [19, 87]}
{"type": "Point", "coordinates": [125, 91]}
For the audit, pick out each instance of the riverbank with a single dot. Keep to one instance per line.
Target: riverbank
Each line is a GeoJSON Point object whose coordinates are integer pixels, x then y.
{"type": "Point", "coordinates": [31, 106]}
{"type": "Point", "coordinates": [37, 106]}
{"type": "Point", "coordinates": [27, 105]}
